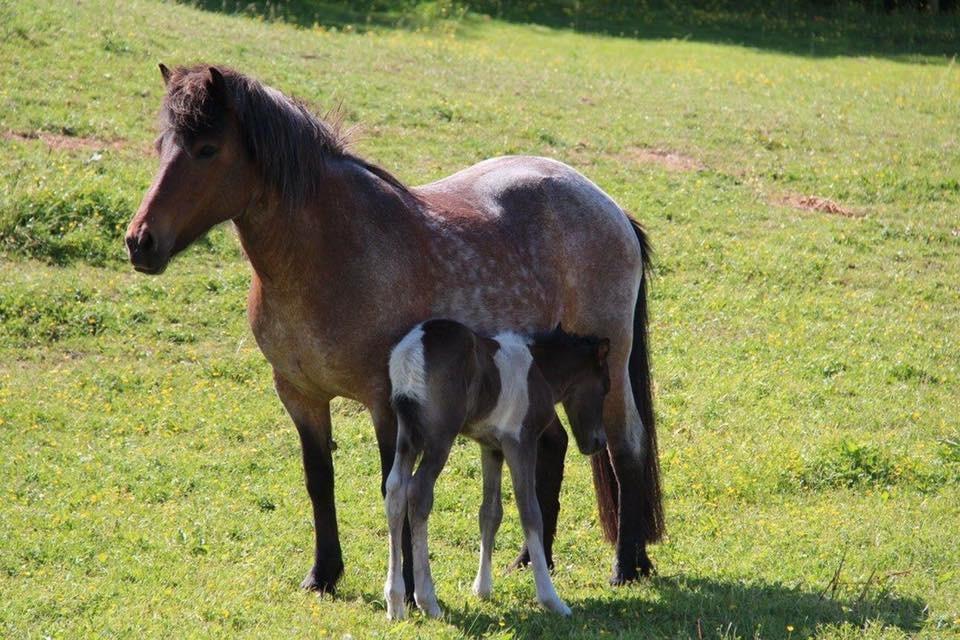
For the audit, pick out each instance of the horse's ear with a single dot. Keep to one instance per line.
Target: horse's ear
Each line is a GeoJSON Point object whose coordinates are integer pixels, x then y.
{"type": "Point", "coordinates": [603, 350]}
{"type": "Point", "coordinates": [165, 72]}
{"type": "Point", "coordinates": [218, 86]}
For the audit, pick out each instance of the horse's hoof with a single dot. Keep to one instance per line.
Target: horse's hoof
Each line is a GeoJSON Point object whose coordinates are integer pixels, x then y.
{"type": "Point", "coordinates": [647, 569]}
{"type": "Point", "coordinates": [620, 577]}
{"type": "Point", "coordinates": [322, 579]}
{"type": "Point", "coordinates": [523, 561]}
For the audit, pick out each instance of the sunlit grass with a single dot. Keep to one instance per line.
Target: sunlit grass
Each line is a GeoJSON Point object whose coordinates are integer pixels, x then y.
{"type": "Point", "coordinates": [806, 363]}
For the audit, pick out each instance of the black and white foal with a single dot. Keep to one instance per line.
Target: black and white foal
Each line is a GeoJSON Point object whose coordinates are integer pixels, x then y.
{"type": "Point", "coordinates": [501, 392]}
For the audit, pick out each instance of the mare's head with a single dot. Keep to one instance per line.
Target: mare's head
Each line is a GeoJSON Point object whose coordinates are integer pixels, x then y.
{"type": "Point", "coordinates": [226, 142]}
{"type": "Point", "coordinates": [576, 368]}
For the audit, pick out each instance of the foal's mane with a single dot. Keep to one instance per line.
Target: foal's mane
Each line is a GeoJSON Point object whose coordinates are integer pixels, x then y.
{"type": "Point", "coordinates": [289, 144]}
{"type": "Point", "coordinates": [558, 340]}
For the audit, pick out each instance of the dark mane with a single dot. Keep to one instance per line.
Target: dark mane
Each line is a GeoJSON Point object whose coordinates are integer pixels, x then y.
{"type": "Point", "coordinates": [560, 340]}
{"type": "Point", "coordinates": [290, 144]}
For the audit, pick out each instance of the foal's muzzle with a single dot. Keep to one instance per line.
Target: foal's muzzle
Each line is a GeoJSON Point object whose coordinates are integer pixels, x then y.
{"type": "Point", "coordinates": [594, 445]}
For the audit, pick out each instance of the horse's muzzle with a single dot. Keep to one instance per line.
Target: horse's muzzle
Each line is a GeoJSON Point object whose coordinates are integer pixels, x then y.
{"type": "Point", "coordinates": [145, 254]}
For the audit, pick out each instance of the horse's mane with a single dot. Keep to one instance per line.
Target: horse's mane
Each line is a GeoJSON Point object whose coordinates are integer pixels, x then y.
{"type": "Point", "coordinates": [289, 144]}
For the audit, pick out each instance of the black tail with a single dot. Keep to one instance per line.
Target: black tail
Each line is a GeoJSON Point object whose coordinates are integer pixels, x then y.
{"type": "Point", "coordinates": [604, 479]}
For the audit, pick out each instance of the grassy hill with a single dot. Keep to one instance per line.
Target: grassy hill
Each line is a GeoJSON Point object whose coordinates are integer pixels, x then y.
{"type": "Point", "coordinates": [804, 209]}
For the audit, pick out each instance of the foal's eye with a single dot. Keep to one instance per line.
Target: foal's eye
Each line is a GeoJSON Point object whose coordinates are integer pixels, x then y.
{"type": "Point", "coordinates": [207, 151]}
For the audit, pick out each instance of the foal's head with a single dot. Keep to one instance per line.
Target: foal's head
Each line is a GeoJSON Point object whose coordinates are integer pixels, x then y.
{"type": "Point", "coordinates": [576, 368]}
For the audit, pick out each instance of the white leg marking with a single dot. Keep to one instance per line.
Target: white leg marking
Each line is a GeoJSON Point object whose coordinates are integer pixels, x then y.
{"type": "Point", "coordinates": [546, 594]}
{"type": "Point", "coordinates": [491, 513]}
{"type": "Point", "coordinates": [394, 590]}
{"type": "Point", "coordinates": [424, 591]}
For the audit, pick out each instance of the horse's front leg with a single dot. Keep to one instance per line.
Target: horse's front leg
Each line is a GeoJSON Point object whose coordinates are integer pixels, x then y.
{"type": "Point", "coordinates": [551, 451]}
{"type": "Point", "coordinates": [311, 415]}
{"type": "Point", "coordinates": [385, 426]}
{"type": "Point", "coordinates": [521, 458]}
{"type": "Point", "coordinates": [491, 514]}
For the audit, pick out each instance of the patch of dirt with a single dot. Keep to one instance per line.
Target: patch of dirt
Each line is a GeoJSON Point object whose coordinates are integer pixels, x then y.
{"type": "Point", "coordinates": [62, 142]}
{"type": "Point", "coordinates": [816, 203]}
{"type": "Point", "coordinates": [669, 160]}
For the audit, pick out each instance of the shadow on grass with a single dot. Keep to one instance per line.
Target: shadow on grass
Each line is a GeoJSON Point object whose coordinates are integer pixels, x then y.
{"type": "Point", "coordinates": [680, 606]}
{"type": "Point", "coordinates": [797, 28]}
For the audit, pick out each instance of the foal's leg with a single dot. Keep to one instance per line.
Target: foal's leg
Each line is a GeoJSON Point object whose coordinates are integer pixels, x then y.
{"type": "Point", "coordinates": [397, 484]}
{"type": "Point", "coordinates": [521, 458]}
{"type": "Point", "coordinates": [385, 426]}
{"type": "Point", "coordinates": [312, 418]}
{"type": "Point", "coordinates": [419, 504]}
{"type": "Point", "coordinates": [551, 451]}
{"type": "Point", "coordinates": [491, 513]}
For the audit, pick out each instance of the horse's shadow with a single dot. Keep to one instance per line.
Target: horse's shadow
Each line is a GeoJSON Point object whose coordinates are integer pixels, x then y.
{"type": "Point", "coordinates": [681, 606]}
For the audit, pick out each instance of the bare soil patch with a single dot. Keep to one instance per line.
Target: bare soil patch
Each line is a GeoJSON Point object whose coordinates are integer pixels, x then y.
{"type": "Point", "coordinates": [669, 160]}
{"type": "Point", "coordinates": [62, 142]}
{"type": "Point", "coordinates": [816, 203]}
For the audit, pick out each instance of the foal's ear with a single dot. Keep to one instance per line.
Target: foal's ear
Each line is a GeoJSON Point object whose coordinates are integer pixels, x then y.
{"type": "Point", "coordinates": [603, 350]}
{"type": "Point", "coordinates": [165, 72]}
{"type": "Point", "coordinates": [218, 86]}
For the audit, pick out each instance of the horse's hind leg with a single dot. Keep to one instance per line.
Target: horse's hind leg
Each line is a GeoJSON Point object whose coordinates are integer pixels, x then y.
{"type": "Point", "coordinates": [491, 514]}
{"type": "Point", "coordinates": [521, 458]}
{"type": "Point", "coordinates": [394, 590]}
{"type": "Point", "coordinates": [419, 505]}
{"type": "Point", "coordinates": [551, 451]}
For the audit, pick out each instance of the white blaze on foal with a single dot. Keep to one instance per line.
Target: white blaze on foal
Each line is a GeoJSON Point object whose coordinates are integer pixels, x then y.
{"type": "Point", "coordinates": [500, 392]}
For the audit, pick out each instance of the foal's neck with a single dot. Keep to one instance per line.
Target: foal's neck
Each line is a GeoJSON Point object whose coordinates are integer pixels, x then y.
{"type": "Point", "coordinates": [558, 370]}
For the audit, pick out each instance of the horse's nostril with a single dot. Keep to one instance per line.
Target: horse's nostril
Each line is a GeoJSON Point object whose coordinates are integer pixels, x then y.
{"type": "Point", "coordinates": [146, 241]}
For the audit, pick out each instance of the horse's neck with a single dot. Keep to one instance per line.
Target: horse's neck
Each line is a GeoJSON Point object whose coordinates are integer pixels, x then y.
{"type": "Point", "coordinates": [342, 226]}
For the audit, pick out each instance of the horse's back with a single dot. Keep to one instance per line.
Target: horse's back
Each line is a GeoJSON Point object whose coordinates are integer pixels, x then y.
{"type": "Point", "coordinates": [568, 232]}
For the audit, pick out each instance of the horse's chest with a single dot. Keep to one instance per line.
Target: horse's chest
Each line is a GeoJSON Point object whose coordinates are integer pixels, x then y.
{"type": "Point", "coordinates": [305, 352]}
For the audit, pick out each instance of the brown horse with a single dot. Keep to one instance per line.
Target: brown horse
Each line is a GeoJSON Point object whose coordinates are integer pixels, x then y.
{"type": "Point", "coordinates": [346, 259]}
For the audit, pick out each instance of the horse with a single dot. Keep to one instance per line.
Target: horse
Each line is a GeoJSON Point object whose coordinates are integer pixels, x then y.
{"type": "Point", "coordinates": [501, 392]}
{"type": "Point", "coordinates": [345, 259]}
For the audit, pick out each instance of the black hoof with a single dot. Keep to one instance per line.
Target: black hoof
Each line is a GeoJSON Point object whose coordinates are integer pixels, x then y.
{"type": "Point", "coordinates": [646, 568]}
{"type": "Point", "coordinates": [621, 578]}
{"type": "Point", "coordinates": [323, 579]}
{"type": "Point", "coordinates": [522, 561]}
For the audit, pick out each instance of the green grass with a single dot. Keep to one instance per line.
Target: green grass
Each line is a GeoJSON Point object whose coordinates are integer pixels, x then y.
{"type": "Point", "coordinates": [806, 363]}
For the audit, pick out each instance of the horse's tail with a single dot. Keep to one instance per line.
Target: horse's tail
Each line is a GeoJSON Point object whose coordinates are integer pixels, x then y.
{"type": "Point", "coordinates": [650, 508]}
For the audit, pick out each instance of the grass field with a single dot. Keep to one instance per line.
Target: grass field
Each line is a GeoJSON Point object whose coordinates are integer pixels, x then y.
{"type": "Point", "coordinates": [806, 352]}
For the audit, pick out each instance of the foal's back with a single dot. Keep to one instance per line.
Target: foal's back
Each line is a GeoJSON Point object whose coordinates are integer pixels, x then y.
{"type": "Point", "coordinates": [443, 366]}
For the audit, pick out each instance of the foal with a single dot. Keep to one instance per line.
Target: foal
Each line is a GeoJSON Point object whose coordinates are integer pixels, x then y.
{"type": "Point", "coordinates": [500, 392]}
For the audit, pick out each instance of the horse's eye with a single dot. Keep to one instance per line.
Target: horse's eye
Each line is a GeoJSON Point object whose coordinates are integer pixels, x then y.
{"type": "Point", "coordinates": [207, 151]}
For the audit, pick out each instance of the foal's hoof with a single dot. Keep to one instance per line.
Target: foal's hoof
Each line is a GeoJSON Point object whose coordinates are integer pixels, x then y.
{"type": "Point", "coordinates": [557, 606]}
{"type": "Point", "coordinates": [322, 579]}
{"type": "Point", "coordinates": [432, 609]}
{"type": "Point", "coordinates": [395, 608]}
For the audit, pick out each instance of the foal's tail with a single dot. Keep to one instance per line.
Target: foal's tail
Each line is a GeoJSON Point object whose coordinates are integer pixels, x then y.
{"type": "Point", "coordinates": [650, 506]}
